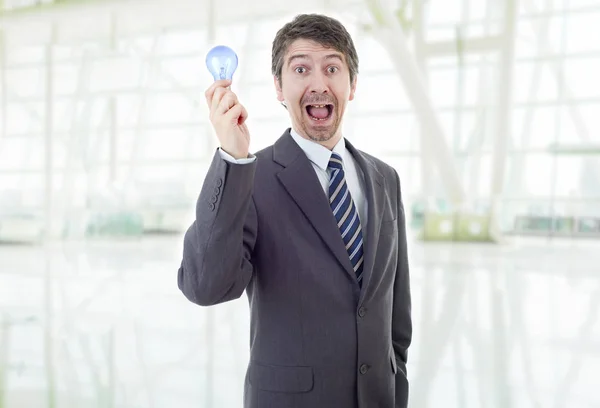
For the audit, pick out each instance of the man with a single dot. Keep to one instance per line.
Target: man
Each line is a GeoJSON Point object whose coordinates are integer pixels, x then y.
{"type": "Point", "coordinates": [313, 230]}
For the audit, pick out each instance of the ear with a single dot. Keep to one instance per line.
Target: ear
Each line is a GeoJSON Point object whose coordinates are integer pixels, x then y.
{"type": "Point", "coordinates": [278, 89]}
{"type": "Point", "coordinates": [353, 88]}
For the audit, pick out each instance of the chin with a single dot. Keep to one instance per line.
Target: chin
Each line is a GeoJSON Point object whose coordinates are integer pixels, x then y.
{"type": "Point", "coordinates": [321, 135]}
{"type": "Point", "coordinates": [320, 130]}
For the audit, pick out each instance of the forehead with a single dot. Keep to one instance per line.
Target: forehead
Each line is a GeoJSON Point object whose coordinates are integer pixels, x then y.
{"type": "Point", "coordinates": [311, 49]}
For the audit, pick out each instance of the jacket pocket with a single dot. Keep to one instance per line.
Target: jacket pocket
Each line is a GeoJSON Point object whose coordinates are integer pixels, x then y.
{"type": "Point", "coordinates": [290, 379]}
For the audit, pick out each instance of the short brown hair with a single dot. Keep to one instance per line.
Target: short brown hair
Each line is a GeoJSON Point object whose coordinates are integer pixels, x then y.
{"type": "Point", "coordinates": [324, 30]}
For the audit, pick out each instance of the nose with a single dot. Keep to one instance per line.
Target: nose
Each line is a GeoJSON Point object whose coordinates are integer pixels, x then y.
{"type": "Point", "coordinates": [319, 83]}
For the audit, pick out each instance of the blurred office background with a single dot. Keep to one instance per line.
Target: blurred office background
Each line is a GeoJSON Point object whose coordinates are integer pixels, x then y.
{"type": "Point", "coordinates": [488, 109]}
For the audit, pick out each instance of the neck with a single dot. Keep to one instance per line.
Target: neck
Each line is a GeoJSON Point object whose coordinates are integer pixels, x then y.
{"type": "Point", "coordinates": [330, 144]}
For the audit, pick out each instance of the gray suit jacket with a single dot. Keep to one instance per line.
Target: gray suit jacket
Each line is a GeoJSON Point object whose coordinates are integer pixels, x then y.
{"type": "Point", "coordinates": [317, 339]}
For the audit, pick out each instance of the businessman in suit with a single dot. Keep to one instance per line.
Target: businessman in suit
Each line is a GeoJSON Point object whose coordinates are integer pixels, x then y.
{"type": "Point", "coordinates": [313, 230]}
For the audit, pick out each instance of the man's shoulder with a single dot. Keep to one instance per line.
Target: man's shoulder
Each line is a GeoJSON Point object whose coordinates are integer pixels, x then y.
{"type": "Point", "coordinates": [389, 173]}
{"type": "Point", "coordinates": [264, 153]}
{"type": "Point", "coordinates": [264, 161]}
{"type": "Point", "coordinates": [384, 168]}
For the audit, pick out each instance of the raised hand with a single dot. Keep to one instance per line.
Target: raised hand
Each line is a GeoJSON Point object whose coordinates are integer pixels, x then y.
{"type": "Point", "coordinates": [228, 117]}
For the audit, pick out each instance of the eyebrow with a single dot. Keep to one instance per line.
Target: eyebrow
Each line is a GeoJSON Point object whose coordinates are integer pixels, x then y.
{"type": "Point", "coordinates": [305, 56]}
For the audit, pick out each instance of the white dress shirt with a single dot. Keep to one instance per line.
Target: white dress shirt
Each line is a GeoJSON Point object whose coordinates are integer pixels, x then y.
{"type": "Point", "coordinates": [319, 157]}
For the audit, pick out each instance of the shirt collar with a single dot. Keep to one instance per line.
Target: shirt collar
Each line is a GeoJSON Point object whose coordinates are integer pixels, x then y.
{"type": "Point", "coordinates": [317, 153]}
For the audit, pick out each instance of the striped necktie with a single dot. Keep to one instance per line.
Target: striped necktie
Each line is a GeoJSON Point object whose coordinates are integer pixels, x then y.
{"type": "Point", "coordinates": [346, 214]}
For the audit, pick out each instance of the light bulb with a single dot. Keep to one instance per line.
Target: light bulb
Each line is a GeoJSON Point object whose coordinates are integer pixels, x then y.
{"type": "Point", "coordinates": [222, 62]}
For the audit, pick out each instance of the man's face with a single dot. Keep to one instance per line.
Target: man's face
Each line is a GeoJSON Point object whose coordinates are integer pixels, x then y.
{"type": "Point", "coordinates": [315, 85]}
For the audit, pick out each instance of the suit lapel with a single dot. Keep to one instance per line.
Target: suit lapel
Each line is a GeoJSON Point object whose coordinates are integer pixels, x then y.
{"type": "Point", "coordinates": [299, 179]}
{"type": "Point", "coordinates": [374, 193]}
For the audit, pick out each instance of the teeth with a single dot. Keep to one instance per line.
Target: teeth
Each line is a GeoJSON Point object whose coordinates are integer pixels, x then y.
{"type": "Point", "coordinates": [319, 106]}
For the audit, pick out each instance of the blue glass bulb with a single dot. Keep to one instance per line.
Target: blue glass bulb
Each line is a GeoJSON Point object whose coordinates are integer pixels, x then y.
{"type": "Point", "coordinates": [222, 62]}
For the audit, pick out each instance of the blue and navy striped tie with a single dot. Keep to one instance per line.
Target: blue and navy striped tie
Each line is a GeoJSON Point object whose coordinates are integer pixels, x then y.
{"type": "Point", "coordinates": [346, 214]}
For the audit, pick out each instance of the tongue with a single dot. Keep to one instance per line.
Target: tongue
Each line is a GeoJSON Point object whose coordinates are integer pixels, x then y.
{"type": "Point", "coordinates": [319, 113]}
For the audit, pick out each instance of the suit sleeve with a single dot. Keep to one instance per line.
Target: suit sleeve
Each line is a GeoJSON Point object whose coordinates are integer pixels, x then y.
{"type": "Point", "coordinates": [217, 248]}
{"type": "Point", "coordinates": [401, 315]}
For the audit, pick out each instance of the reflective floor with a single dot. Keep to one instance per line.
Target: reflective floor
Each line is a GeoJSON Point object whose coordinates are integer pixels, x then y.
{"type": "Point", "coordinates": [103, 324]}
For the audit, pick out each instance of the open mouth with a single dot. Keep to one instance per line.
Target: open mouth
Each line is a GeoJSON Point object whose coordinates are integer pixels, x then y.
{"type": "Point", "coordinates": [319, 112]}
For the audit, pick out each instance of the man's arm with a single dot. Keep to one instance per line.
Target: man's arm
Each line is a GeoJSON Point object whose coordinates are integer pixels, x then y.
{"type": "Point", "coordinates": [217, 250]}
{"type": "Point", "coordinates": [401, 315]}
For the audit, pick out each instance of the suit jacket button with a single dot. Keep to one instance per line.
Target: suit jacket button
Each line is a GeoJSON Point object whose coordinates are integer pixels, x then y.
{"type": "Point", "coordinates": [211, 206]}
{"type": "Point", "coordinates": [362, 312]}
{"type": "Point", "coordinates": [219, 182]}
{"type": "Point", "coordinates": [364, 368]}
{"type": "Point", "coordinates": [213, 199]}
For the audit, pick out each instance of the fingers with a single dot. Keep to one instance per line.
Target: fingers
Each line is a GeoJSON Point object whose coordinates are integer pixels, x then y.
{"type": "Point", "coordinates": [235, 115]}
{"type": "Point", "coordinates": [243, 116]}
{"type": "Point", "coordinates": [228, 101]}
{"type": "Point", "coordinates": [219, 98]}
{"type": "Point", "coordinates": [216, 99]}
{"type": "Point", "coordinates": [211, 90]}
{"type": "Point", "coordinates": [224, 104]}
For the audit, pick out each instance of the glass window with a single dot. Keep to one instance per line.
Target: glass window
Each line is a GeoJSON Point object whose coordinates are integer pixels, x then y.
{"type": "Point", "coordinates": [177, 72]}
{"type": "Point", "coordinates": [25, 82]}
{"type": "Point", "coordinates": [255, 66]}
{"type": "Point", "coordinates": [583, 31]}
{"type": "Point", "coordinates": [261, 102]}
{"type": "Point", "coordinates": [24, 118]}
{"type": "Point", "coordinates": [538, 177]}
{"type": "Point", "coordinates": [168, 108]}
{"type": "Point", "coordinates": [579, 77]}
{"type": "Point", "coordinates": [116, 73]}
{"type": "Point", "coordinates": [381, 92]}
{"type": "Point", "coordinates": [23, 54]}
{"type": "Point", "coordinates": [539, 36]}
{"type": "Point", "coordinates": [442, 87]}
{"type": "Point", "coordinates": [20, 153]}
{"type": "Point", "coordinates": [568, 175]}
{"type": "Point", "coordinates": [384, 133]}
{"type": "Point", "coordinates": [265, 132]}
{"type": "Point", "coordinates": [579, 123]}
{"type": "Point", "coordinates": [534, 81]}
{"type": "Point", "coordinates": [180, 42]}
{"type": "Point", "coordinates": [535, 127]}
{"type": "Point", "coordinates": [373, 56]}
{"type": "Point", "coordinates": [443, 11]}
